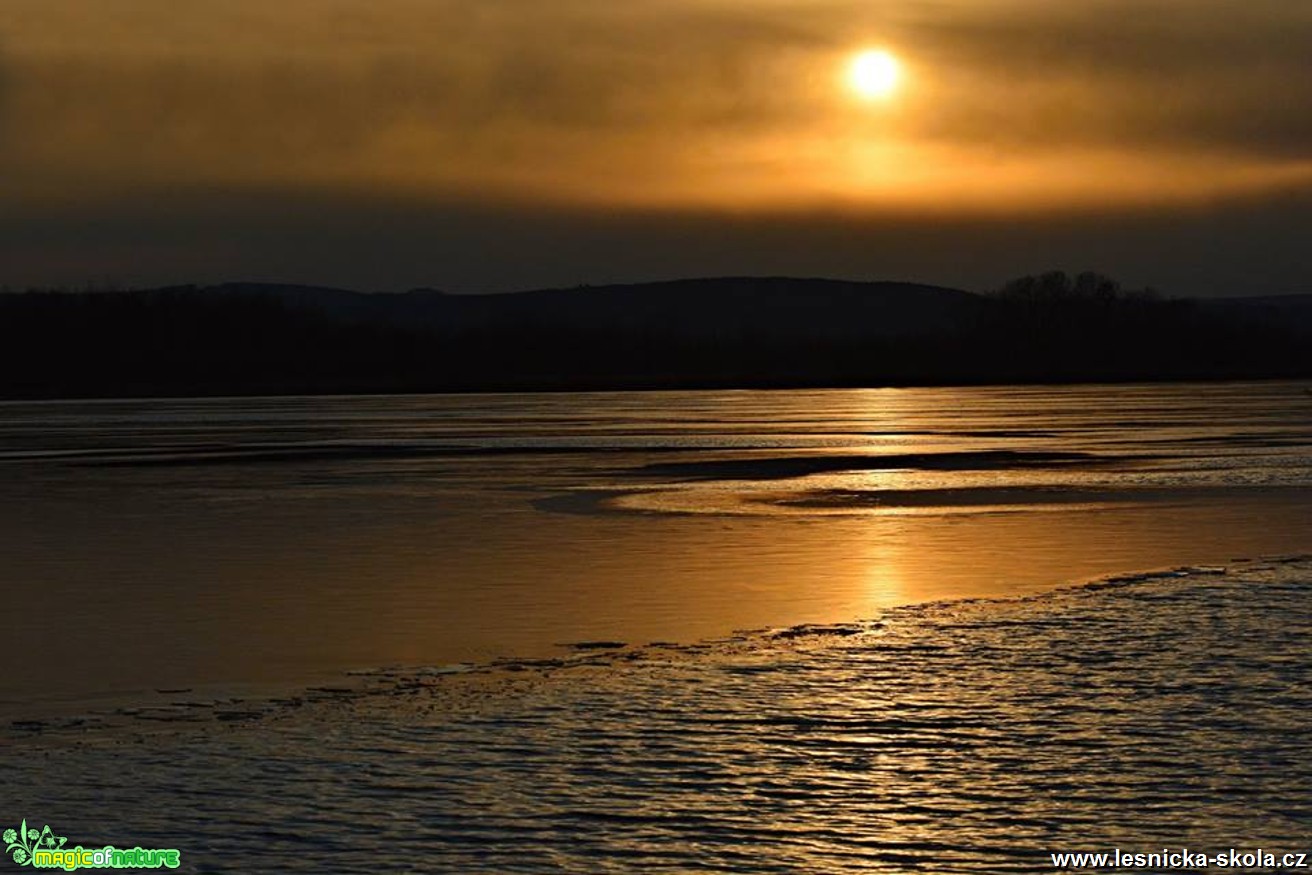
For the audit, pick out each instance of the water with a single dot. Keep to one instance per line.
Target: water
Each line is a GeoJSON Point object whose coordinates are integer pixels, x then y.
{"type": "Point", "coordinates": [271, 543]}
{"type": "Point", "coordinates": [326, 634]}
{"type": "Point", "coordinates": [1140, 713]}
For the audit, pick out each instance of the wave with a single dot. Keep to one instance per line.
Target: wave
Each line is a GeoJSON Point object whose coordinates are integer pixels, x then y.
{"type": "Point", "coordinates": [194, 706]}
{"type": "Point", "coordinates": [1161, 709]}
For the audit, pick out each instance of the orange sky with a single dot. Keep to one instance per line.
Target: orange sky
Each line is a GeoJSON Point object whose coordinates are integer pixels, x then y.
{"type": "Point", "coordinates": [1006, 110]}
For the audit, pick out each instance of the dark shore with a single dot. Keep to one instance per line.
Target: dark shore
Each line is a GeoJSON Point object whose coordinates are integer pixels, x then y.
{"type": "Point", "coordinates": [252, 339]}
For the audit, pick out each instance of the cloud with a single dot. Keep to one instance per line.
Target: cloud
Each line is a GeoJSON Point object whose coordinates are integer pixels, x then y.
{"type": "Point", "coordinates": [1149, 75]}
{"type": "Point", "coordinates": [379, 242]}
{"type": "Point", "coordinates": [437, 100]}
{"type": "Point", "coordinates": [696, 110]}
{"type": "Point", "coordinates": [573, 100]}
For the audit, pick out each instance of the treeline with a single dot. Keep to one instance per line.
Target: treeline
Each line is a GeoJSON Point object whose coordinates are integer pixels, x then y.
{"type": "Point", "coordinates": [1058, 327]}
{"type": "Point", "coordinates": [269, 340]}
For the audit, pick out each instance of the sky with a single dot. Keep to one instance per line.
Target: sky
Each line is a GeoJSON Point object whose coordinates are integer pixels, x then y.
{"type": "Point", "coordinates": [490, 145]}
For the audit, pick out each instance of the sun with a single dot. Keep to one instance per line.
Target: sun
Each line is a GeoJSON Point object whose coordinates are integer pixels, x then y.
{"type": "Point", "coordinates": [874, 74]}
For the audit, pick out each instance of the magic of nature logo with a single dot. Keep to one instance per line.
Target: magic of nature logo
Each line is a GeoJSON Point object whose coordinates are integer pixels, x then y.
{"type": "Point", "coordinates": [42, 849]}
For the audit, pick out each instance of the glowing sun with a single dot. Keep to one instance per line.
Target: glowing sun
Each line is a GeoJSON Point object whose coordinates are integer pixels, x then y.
{"type": "Point", "coordinates": [874, 74]}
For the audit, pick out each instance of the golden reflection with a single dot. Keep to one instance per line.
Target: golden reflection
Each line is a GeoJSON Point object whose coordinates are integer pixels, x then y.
{"type": "Point", "coordinates": [885, 581]}
{"type": "Point", "coordinates": [267, 600]}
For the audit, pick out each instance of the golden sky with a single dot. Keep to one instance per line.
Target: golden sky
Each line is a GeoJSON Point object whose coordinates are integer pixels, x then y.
{"type": "Point", "coordinates": [1004, 109]}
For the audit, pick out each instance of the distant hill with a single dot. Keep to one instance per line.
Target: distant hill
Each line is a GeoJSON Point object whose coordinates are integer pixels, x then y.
{"type": "Point", "coordinates": [248, 338]}
{"type": "Point", "coordinates": [764, 307]}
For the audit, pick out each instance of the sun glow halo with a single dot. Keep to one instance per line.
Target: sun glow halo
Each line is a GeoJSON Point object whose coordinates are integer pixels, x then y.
{"type": "Point", "coordinates": [874, 74]}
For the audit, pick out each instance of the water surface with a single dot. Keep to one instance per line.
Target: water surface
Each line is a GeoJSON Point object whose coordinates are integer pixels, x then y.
{"type": "Point", "coordinates": [1139, 713]}
{"type": "Point", "coordinates": [177, 544]}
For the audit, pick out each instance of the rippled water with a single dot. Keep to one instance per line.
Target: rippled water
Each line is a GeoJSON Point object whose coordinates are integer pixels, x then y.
{"type": "Point", "coordinates": [1160, 710]}
{"type": "Point", "coordinates": [187, 543]}
{"type": "Point", "coordinates": [495, 633]}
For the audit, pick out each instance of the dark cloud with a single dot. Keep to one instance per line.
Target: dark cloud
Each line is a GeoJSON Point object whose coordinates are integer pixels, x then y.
{"type": "Point", "coordinates": [1238, 247]}
{"type": "Point", "coordinates": [1232, 77]}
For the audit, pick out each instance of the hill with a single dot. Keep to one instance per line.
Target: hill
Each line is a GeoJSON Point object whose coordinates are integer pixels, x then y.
{"type": "Point", "coordinates": [766, 307]}
{"type": "Point", "coordinates": [245, 338]}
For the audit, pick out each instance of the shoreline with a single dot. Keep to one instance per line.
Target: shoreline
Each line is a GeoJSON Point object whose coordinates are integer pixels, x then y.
{"type": "Point", "coordinates": [946, 558]}
{"type": "Point", "coordinates": [643, 388]}
{"type": "Point", "coordinates": [470, 686]}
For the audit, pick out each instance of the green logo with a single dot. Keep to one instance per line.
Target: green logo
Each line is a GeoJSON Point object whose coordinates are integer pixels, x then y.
{"type": "Point", "coordinates": [42, 849]}
{"type": "Point", "coordinates": [23, 843]}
